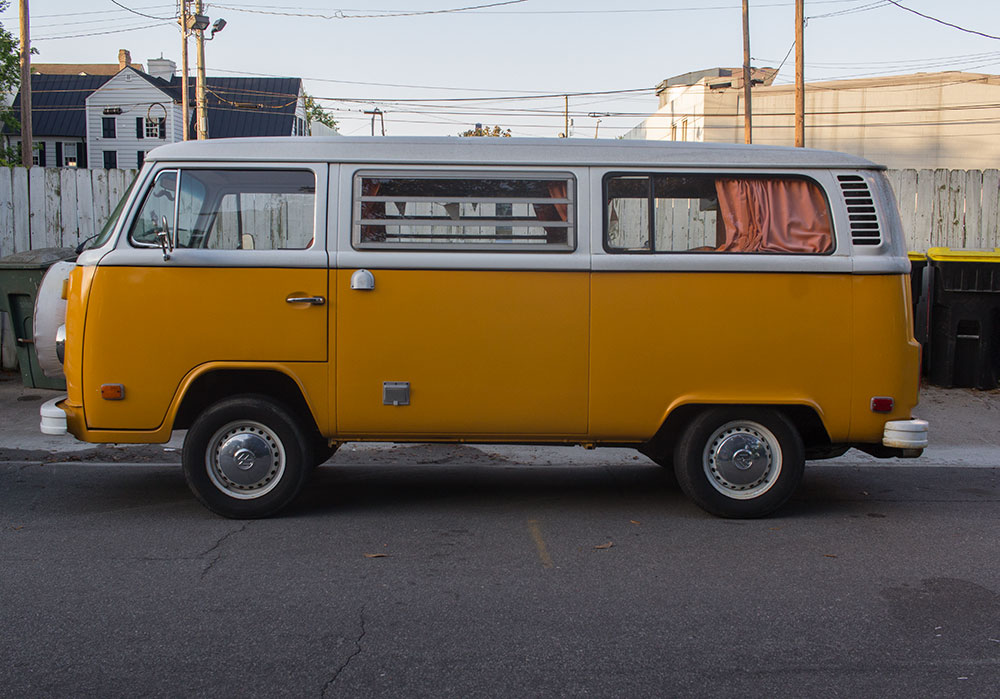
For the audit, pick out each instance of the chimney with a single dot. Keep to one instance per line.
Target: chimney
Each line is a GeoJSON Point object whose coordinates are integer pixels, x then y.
{"type": "Point", "coordinates": [161, 67]}
{"type": "Point", "coordinates": [124, 58]}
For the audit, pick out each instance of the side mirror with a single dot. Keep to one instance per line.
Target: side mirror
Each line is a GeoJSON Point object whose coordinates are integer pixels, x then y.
{"type": "Point", "coordinates": [163, 237]}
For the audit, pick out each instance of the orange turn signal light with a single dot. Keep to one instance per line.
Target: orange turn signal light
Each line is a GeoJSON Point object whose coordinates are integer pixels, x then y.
{"type": "Point", "coordinates": [112, 391]}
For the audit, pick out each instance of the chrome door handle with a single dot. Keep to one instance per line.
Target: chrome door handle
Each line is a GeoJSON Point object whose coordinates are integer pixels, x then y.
{"type": "Point", "coordinates": [312, 300]}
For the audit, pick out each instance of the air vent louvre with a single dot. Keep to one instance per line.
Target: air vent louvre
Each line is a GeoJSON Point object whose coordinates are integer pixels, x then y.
{"type": "Point", "coordinates": [860, 210]}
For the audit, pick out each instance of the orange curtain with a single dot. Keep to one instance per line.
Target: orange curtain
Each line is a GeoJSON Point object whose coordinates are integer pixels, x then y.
{"type": "Point", "coordinates": [554, 212]}
{"type": "Point", "coordinates": [372, 209]}
{"type": "Point", "coordinates": [770, 215]}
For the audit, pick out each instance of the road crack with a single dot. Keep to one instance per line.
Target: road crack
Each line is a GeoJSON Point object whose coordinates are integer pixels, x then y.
{"type": "Point", "coordinates": [347, 661]}
{"type": "Point", "coordinates": [215, 548]}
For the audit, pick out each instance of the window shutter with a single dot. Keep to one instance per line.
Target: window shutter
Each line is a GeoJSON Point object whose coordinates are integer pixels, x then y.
{"type": "Point", "coordinates": [140, 129]}
{"type": "Point", "coordinates": [59, 154]}
{"type": "Point", "coordinates": [41, 153]}
{"type": "Point", "coordinates": [163, 127]}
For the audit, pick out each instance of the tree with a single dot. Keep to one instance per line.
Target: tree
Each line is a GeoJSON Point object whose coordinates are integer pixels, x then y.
{"type": "Point", "coordinates": [492, 132]}
{"type": "Point", "coordinates": [316, 113]}
{"type": "Point", "coordinates": [10, 77]}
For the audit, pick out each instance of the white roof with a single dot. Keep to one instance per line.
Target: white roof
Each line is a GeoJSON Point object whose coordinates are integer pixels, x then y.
{"type": "Point", "coordinates": [503, 151]}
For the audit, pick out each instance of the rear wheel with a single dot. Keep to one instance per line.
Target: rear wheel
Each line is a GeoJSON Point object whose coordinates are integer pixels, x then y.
{"type": "Point", "coordinates": [740, 462]}
{"type": "Point", "coordinates": [246, 457]}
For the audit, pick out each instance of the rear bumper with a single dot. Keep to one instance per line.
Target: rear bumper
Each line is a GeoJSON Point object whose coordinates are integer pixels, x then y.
{"type": "Point", "coordinates": [905, 434]}
{"type": "Point", "coordinates": [53, 417]}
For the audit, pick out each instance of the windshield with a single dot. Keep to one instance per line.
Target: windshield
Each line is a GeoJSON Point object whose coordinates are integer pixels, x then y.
{"type": "Point", "coordinates": [109, 226]}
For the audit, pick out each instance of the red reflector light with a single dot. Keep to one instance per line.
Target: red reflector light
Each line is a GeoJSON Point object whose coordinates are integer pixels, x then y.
{"type": "Point", "coordinates": [882, 404]}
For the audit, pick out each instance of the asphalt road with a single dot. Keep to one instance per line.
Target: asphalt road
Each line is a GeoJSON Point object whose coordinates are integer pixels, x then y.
{"type": "Point", "coordinates": [457, 572]}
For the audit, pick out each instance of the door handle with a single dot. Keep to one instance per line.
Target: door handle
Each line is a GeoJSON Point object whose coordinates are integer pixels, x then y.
{"type": "Point", "coordinates": [311, 300]}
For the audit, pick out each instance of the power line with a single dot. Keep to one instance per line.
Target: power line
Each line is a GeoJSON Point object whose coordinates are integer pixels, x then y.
{"type": "Point", "coordinates": [941, 21]}
{"type": "Point", "coordinates": [110, 31]}
{"type": "Point", "coordinates": [342, 14]}
{"type": "Point", "coordinates": [141, 14]}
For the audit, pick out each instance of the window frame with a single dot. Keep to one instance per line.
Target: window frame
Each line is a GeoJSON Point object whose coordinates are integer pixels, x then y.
{"type": "Point", "coordinates": [107, 122]}
{"type": "Point", "coordinates": [571, 223]}
{"type": "Point", "coordinates": [180, 169]}
{"type": "Point", "coordinates": [649, 174]}
{"type": "Point", "coordinates": [114, 155]}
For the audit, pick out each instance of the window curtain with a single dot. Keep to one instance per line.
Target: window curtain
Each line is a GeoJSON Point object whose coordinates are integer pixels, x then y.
{"type": "Point", "coordinates": [554, 212]}
{"type": "Point", "coordinates": [770, 215]}
{"type": "Point", "coordinates": [372, 209]}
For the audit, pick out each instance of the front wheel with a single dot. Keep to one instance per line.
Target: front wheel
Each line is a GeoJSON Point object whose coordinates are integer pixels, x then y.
{"type": "Point", "coordinates": [246, 457]}
{"type": "Point", "coordinates": [740, 462]}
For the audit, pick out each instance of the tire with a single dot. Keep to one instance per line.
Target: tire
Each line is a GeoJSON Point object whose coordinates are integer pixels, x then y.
{"type": "Point", "coordinates": [739, 463]}
{"type": "Point", "coordinates": [322, 451]}
{"type": "Point", "coordinates": [246, 457]}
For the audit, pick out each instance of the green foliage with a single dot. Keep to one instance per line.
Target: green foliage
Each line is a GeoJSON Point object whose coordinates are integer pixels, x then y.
{"type": "Point", "coordinates": [316, 114]}
{"type": "Point", "coordinates": [10, 78]}
{"type": "Point", "coordinates": [491, 131]}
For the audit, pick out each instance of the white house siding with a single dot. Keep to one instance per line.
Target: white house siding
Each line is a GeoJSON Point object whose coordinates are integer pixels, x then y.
{"type": "Point", "coordinates": [136, 97]}
{"type": "Point", "coordinates": [50, 147]}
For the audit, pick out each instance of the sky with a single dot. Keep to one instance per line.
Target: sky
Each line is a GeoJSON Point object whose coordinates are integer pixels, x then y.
{"type": "Point", "coordinates": [435, 71]}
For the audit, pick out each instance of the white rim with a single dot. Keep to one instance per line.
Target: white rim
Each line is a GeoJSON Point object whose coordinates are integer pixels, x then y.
{"type": "Point", "coordinates": [742, 459]}
{"type": "Point", "coordinates": [245, 459]}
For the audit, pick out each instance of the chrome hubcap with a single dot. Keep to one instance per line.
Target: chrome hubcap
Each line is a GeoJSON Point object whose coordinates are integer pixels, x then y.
{"type": "Point", "coordinates": [742, 459]}
{"type": "Point", "coordinates": [245, 460]}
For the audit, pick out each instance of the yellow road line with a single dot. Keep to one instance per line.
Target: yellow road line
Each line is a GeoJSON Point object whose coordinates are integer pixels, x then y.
{"type": "Point", "coordinates": [543, 551]}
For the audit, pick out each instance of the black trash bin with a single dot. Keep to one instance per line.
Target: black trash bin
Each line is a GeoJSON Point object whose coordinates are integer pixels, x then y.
{"type": "Point", "coordinates": [20, 276]}
{"type": "Point", "coordinates": [920, 296]}
{"type": "Point", "coordinates": [965, 318]}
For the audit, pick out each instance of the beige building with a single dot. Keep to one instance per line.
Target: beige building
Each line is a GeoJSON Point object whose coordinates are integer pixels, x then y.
{"type": "Point", "coordinates": [923, 120]}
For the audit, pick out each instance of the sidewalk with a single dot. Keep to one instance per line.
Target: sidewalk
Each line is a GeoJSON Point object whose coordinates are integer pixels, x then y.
{"type": "Point", "coordinates": [964, 430]}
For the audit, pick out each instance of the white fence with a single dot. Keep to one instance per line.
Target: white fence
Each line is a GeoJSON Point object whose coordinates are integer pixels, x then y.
{"type": "Point", "coordinates": [54, 207]}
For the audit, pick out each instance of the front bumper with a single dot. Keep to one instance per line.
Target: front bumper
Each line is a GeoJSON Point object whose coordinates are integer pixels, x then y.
{"type": "Point", "coordinates": [905, 434]}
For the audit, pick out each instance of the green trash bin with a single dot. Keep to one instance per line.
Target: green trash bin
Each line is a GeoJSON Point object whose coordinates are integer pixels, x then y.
{"type": "Point", "coordinates": [20, 276]}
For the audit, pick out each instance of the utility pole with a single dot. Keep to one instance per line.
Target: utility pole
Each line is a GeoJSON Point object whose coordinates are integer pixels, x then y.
{"type": "Point", "coordinates": [747, 118]}
{"type": "Point", "coordinates": [800, 84]}
{"type": "Point", "coordinates": [26, 144]}
{"type": "Point", "coordinates": [185, 98]}
{"type": "Point", "coordinates": [200, 86]}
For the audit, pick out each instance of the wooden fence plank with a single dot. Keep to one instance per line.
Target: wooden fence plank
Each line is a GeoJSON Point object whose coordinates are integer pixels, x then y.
{"type": "Point", "coordinates": [53, 210]}
{"type": "Point", "coordinates": [925, 207]}
{"type": "Point", "coordinates": [85, 204]}
{"type": "Point", "coordinates": [991, 209]}
{"type": "Point", "coordinates": [36, 208]}
{"type": "Point", "coordinates": [69, 217]}
{"type": "Point", "coordinates": [21, 210]}
{"type": "Point", "coordinates": [6, 213]}
{"type": "Point", "coordinates": [100, 188]}
{"type": "Point", "coordinates": [973, 207]}
{"type": "Point", "coordinates": [907, 198]}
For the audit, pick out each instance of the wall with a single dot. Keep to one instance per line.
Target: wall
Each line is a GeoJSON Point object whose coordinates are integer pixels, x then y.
{"type": "Point", "coordinates": [939, 120]}
{"type": "Point", "coordinates": [136, 97]}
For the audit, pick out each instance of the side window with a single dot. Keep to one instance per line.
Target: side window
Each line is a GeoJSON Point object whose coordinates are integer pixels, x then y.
{"type": "Point", "coordinates": [246, 209]}
{"type": "Point", "coordinates": [716, 213]}
{"type": "Point", "coordinates": [463, 212]}
{"type": "Point", "coordinates": [157, 209]}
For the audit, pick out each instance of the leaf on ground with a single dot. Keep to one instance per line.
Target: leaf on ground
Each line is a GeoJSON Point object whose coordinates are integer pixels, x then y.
{"type": "Point", "coordinates": [633, 521]}
{"type": "Point", "coordinates": [376, 555]}
{"type": "Point", "coordinates": [829, 555]}
{"type": "Point", "coordinates": [605, 546]}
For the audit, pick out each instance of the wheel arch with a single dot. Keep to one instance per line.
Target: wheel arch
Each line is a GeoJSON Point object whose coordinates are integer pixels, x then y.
{"type": "Point", "coordinates": [805, 418]}
{"type": "Point", "coordinates": [213, 383]}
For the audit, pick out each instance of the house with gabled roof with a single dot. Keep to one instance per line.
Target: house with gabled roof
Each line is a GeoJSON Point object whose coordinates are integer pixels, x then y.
{"type": "Point", "coordinates": [112, 121]}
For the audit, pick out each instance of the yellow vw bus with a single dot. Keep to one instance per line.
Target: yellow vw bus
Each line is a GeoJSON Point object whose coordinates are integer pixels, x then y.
{"type": "Point", "coordinates": [730, 311]}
